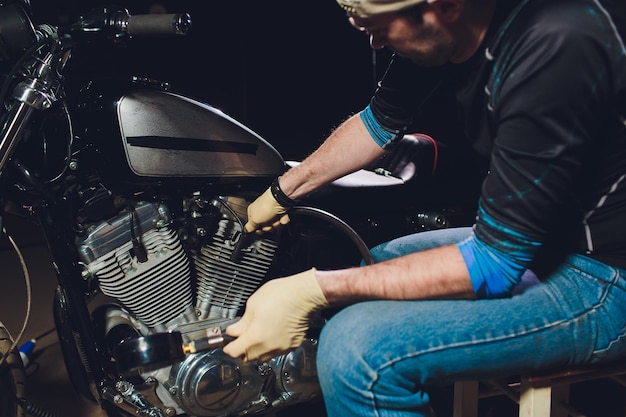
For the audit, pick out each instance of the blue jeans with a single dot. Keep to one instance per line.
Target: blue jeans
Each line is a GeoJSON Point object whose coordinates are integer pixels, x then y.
{"type": "Point", "coordinates": [380, 358]}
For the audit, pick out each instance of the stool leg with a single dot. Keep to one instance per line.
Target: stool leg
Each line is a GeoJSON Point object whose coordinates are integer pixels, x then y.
{"type": "Point", "coordinates": [560, 401]}
{"type": "Point", "coordinates": [535, 401]}
{"type": "Point", "coordinates": [465, 399]}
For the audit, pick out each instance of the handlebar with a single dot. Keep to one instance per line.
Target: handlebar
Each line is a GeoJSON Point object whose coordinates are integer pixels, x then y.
{"type": "Point", "coordinates": [117, 22]}
{"type": "Point", "coordinates": [157, 24]}
{"type": "Point", "coordinates": [39, 68]}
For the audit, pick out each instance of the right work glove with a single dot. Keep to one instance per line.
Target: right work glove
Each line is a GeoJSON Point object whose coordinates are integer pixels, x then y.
{"type": "Point", "coordinates": [276, 318]}
{"type": "Point", "coordinates": [266, 213]}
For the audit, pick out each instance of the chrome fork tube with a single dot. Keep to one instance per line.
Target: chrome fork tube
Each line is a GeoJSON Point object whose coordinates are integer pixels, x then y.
{"type": "Point", "coordinates": [17, 118]}
{"type": "Point", "coordinates": [34, 93]}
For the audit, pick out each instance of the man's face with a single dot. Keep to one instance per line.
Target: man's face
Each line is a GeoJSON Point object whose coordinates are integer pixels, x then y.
{"type": "Point", "coordinates": [425, 41]}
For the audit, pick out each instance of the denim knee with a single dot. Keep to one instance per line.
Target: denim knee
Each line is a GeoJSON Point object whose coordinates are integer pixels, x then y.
{"type": "Point", "coordinates": [352, 369]}
{"type": "Point", "coordinates": [337, 341]}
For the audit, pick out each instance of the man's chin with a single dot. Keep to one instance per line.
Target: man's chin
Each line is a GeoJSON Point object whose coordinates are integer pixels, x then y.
{"type": "Point", "coordinates": [418, 60]}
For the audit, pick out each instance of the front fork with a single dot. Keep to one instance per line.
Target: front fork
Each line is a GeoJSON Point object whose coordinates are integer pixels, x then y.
{"type": "Point", "coordinates": [16, 120]}
{"type": "Point", "coordinates": [36, 92]}
{"type": "Point", "coordinates": [71, 313]}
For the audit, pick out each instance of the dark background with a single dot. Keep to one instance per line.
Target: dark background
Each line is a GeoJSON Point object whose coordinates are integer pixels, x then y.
{"type": "Point", "coordinates": [290, 71]}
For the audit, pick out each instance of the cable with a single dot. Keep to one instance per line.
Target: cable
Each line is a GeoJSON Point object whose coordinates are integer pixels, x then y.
{"type": "Point", "coordinates": [231, 211]}
{"type": "Point", "coordinates": [69, 144]}
{"type": "Point", "coordinates": [44, 334]}
{"type": "Point", "coordinates": [345, 227]}
{"type": "Point", "coordinates": [33, 409]}
{"type": "Point", "coordinates": [28, 297]}
{"type": "Point", "coordinates": [141, 253]}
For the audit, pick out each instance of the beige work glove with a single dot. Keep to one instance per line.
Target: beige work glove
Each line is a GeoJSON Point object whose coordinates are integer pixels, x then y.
{"type": "Point", "coordinates": [276, 318]}
{"type": "Point", "coordinates": [265, 213]}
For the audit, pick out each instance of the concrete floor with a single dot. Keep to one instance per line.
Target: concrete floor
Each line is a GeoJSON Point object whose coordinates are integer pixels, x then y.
{"type": "Point", "coordinates": [47, 383]}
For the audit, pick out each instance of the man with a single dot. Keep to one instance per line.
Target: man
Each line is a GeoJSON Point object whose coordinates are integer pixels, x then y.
{"type": "Point", "coordinates": [537, 89]}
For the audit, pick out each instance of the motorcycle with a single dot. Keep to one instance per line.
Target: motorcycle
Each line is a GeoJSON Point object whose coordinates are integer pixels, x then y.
{"type": "Point", "coordinates": [141, 194]}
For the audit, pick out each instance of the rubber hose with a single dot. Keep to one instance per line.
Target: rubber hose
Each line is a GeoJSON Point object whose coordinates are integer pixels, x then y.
{"type": "Point", "coordinates": [345, 227]}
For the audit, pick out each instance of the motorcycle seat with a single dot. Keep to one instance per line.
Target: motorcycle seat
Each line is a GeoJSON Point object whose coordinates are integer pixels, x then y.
{"type": "Point", "coordinates": [400, 165]}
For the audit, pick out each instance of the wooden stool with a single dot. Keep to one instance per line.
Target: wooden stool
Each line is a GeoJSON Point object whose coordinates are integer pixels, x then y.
{"type": "Point", "coordinates": [541, 395]}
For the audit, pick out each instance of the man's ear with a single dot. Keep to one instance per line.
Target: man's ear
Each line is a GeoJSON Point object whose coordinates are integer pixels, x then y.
{"type": "Point", "coordinates": [448, 10]}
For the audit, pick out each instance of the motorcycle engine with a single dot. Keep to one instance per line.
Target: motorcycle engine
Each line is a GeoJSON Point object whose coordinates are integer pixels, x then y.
{"type": "Point", "coordinates": [191, 275]}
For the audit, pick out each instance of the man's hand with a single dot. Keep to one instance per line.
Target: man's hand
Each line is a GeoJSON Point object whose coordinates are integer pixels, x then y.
{"type": "Point", "coordinates": [265, 213]}
{"type": "Point", "coordinates": [276, 318]}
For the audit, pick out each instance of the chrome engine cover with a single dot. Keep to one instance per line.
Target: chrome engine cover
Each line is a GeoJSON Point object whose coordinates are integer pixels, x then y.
{"type": "Point", "coordinates": [179, 289]}
{"type": "Point", "coordinates": [214, 384]}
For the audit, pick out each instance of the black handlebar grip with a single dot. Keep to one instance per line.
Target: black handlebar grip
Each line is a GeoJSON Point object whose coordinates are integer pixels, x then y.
{"type": "Point", "coordinates": [159, 24]}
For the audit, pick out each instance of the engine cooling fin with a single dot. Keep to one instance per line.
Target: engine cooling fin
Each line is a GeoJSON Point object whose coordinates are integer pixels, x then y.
{"type": "Point", "coordinates": [224, 285]}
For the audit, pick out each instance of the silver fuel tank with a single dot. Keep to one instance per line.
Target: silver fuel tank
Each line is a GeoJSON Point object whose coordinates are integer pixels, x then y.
{"type": "Point", "coordinates": [168, 135]}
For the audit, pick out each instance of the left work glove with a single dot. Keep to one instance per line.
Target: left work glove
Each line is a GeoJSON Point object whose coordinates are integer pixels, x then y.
{"type": "Point", "coordinates": [276, 318]}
